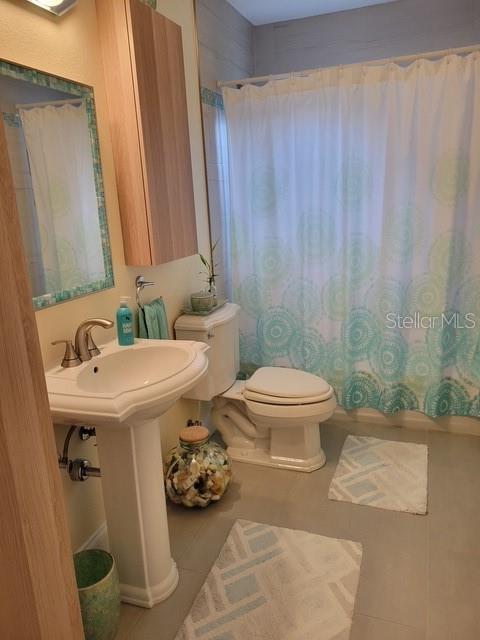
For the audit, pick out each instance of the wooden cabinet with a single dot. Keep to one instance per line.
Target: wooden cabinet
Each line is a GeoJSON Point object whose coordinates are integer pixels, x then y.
{"type": "Point", "coordinates": [145, 81]}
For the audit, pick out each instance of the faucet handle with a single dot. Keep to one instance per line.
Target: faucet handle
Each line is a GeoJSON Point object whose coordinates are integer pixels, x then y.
{"type": "Point", "coordinates": [93, 350]}
{"type": "Point", "coordinates": [70, 357]}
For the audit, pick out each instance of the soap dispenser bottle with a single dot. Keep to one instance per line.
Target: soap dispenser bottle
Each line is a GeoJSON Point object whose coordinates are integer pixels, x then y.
{"type": "Point", "coordinates": [124, 323]}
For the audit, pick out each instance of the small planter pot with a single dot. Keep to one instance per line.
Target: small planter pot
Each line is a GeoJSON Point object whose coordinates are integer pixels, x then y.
{"type": "Point", "coordinates": [202, 301]}
{"type": "Point", "coordinates": [99, 593]}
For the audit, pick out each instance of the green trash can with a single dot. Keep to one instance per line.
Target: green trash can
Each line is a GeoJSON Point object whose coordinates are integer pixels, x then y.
{"type": "Point", "coordinates": [99, 593]}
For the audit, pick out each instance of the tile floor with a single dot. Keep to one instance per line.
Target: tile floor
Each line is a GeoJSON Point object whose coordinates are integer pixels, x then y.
{"type": "Point", "coordinates": [420, 577]}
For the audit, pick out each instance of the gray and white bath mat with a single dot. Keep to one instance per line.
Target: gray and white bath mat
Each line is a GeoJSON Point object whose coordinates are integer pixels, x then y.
{"type": "Point", "coordinates": [270, 583]}
{"type": "Point", "coordinates": [382, 473]}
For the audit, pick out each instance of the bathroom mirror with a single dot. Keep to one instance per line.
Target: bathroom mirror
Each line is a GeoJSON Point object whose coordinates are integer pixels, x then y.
{"type": "Point", "coordinates": [51, 132]}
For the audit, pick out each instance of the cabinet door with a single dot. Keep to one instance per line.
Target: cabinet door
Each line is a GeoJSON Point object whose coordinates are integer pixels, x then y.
{"type": "Point", "coordinates": [159, 81]}
{"type": "Point", "coordinates": [122, 115]}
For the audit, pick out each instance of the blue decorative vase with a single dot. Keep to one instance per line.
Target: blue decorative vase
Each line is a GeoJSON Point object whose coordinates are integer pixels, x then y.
{"type": "Point", "coordinates": [99, 593]}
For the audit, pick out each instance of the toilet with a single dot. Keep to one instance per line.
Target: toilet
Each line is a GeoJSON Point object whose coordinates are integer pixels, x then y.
{"type": "Point", "coordinates": [271, 419]}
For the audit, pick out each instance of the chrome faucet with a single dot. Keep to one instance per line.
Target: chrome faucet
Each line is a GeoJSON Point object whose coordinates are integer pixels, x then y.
{"type": "Point", "coordinates": [85, 347]}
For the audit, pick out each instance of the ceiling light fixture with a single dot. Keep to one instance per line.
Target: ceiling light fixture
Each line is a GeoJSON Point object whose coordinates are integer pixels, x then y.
{"type": "Point", "coordinates": [58, 7]}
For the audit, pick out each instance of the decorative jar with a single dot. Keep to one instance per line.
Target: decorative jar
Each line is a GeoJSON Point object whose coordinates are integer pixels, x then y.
{"type": "Point", "coordinates": [198, 470]}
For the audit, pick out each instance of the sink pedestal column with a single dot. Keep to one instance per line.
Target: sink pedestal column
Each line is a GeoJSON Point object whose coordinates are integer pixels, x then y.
{"type": "Point", "coordinates": [134, 497]}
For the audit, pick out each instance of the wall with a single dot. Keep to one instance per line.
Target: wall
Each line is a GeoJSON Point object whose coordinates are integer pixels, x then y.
{"type": "Point", "coordinates": [225, 41]}
{"type": "Point", "coordinates": [69, 47]}
{"type": "Point", "coordinates": [398, 28]}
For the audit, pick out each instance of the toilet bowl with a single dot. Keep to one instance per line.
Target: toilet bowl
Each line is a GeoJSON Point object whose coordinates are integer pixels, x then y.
{"type": "Point", "coordinates": [271, 419]}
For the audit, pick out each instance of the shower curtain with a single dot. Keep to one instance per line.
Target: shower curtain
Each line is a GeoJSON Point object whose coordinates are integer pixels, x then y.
{"type": "Point", "coordinates": [216, 152]}
{"type": "Point", "coordinates": [59, 150]}
{"type": "Point", "coordinates": [355, 235]}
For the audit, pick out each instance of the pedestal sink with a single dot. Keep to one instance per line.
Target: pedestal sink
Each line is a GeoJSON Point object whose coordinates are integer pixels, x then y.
{"type": "Point", "coordinates": [122, 393]}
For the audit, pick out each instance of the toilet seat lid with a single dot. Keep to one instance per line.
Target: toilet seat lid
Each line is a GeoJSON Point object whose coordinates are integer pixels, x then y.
{"type": "Point", "coordinates": [275, 384]}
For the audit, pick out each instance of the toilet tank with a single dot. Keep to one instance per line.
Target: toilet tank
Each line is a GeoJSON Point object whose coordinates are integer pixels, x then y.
{"type": "Point", "coordinates": [220, 331]}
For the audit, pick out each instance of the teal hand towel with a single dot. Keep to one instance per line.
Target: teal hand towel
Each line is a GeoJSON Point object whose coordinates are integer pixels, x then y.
{"type": "Point", "coordinates": [142, 327]}
{"type": "Point", "coordinates": [152, 321]}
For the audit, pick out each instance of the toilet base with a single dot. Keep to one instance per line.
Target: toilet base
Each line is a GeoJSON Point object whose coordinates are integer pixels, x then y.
{"type": "Point", "coordinates": [263, 458]}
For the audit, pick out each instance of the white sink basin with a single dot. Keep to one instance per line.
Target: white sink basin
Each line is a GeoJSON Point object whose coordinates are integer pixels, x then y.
{"type": "Point", "coordinates": [137, 382]}
{"type": "Point", "coordinates": [122, 393]}
{"type": "Point", "coordinates": [137, 368]}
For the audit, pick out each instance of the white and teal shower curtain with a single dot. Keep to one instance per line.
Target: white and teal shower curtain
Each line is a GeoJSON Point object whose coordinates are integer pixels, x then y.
{"type": "Point", "coordinates": [216, 152]}
{"type": "Point", "coordinates": [355, 231]}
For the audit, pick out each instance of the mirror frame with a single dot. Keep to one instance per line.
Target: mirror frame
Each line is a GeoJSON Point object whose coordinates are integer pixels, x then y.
{"type": "Point", "coordinates": [86, 92]}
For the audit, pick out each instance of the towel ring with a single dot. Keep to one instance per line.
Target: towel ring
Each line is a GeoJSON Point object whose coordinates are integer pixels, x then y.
{"type": "Point", "coordinates": [140, 284]}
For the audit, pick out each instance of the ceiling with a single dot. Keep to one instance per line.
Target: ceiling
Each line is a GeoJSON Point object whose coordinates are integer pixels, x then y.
{"type": "Point", "coordinates": [267, 11]}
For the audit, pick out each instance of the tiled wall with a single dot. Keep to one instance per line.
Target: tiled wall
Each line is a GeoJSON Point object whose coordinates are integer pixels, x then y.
{"type": "Point", "coordinates": [398, 28]}
{"type": "Point", "coordinates": [225, 42]}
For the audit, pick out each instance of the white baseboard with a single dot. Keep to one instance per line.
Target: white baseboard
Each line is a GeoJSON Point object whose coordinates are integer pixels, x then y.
{"type": "Point", "coordinates": [412, 420]}
{"type": "Point", "coordinates": [98, 539]}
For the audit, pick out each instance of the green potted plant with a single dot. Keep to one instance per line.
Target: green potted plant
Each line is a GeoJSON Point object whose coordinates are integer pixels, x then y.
{"type": "Point", "coordinates": [206, 300]}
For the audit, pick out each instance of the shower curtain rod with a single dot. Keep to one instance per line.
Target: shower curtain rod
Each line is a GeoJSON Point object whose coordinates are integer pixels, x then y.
{"type": "Point", "coordinates": [307, 72]}
{"type": "Point", "coordinates": [55, 103]}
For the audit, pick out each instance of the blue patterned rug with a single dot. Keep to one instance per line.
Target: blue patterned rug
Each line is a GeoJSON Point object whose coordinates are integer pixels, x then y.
{"type": "Point", "coordinates": [271, 583]}
{"type": "Point", "coordinates": [383, 474]}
